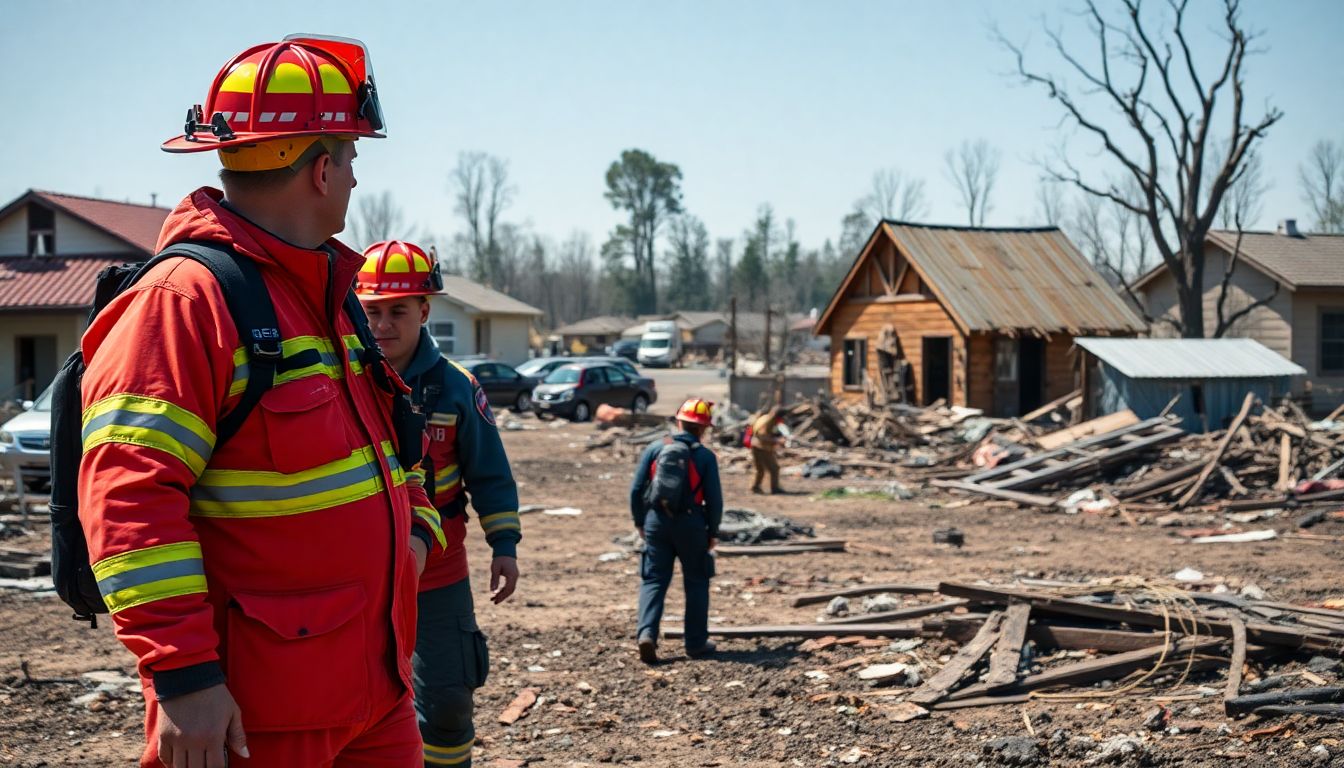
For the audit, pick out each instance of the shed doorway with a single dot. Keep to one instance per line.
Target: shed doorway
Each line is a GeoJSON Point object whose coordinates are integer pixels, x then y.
{"type": "Point", "coordinates": [1031, 374]}
{"type": "Point", "coordinates": [937, 362]}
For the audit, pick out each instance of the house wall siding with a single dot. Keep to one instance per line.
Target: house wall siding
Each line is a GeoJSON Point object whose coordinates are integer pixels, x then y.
{"type": "Point", "coordinates": [912, 320]}
{"type": "Point", "coordinates": [67, 327]}
{"type": "Point", "coordinates": [14, 233]}
{"type": "Point", "coordinates": [75, 237]}
{"type": "Point", "coordinates": [1327, 389]}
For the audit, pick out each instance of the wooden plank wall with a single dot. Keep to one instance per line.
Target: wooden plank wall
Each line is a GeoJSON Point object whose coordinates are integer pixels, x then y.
{"type": "Point", "coordinates": [981, 371]}
{"type": "Point", "coordinates": [913, 320]}
{"type": "Point", "coordinates": [1059, 364]}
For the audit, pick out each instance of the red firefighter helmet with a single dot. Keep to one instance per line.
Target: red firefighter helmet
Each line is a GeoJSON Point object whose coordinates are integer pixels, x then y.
{"type": "Point", "coordinates": [696, 411]}
{"type": "Point", "coordinates": [305, 86]}
{"type": "Point", "coordinates": [394, 268]}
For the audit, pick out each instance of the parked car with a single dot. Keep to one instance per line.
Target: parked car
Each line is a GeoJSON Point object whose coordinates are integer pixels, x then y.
{"type": "Point", "coordinates": [575, 390]}
{"type": "Point", "coordinates": [25, 445]}
{"type": "Point", "coordinates": [504, 386]}
{"type": "Point", "coordinates": [541, 367]}
{"type": "Point", "coordinates": [626, 348]}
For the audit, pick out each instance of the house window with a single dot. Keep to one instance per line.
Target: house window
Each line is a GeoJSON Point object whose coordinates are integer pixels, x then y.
{"type": "Point", "coordinates": [445, 334]}
{"type": "Point", "coordinates": [1332, 342]}
{"type": "Point", "coordinates": [1005, 359]}
{"type": "Point", "coordinates": [856, 362]}
{"type": "Point", "coordinates": [41, 231]}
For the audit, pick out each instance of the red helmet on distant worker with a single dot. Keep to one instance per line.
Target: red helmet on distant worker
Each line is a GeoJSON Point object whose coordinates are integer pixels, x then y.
{"type": "Point", "coordinates": [301, 90]}
{"type": "Point", "coordinates": [395, 268]}
{"type": "Point", "coordinates": [696, 411]}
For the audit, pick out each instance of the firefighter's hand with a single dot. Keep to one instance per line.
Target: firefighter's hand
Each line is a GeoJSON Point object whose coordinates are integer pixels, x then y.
{"type": "Point", "coordinates": [195, 729]}
{"type": "Point", "coordinates": [421, 552]}
{"type": "Point", "coordinates": [503, 569]}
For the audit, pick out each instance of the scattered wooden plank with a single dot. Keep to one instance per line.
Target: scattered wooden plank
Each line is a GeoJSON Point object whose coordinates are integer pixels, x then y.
{"type": "Point", "coordinates": [936, 687]}
{"type": "Point", "coordinates": [1031, 416]}
{"type": "Point", "coordinates": [1030, 499]}
{"type": "Point", "coordinates": [1263, 634]}
{"type": "Point", "coordinates": [1161, 481]}
{"type": "Point", "coordinates": [1285, 481]}
{"type": "Point", "coordinates": [1243, 705]}
{"type": "Point", "coordinates": [807, 630]}
{"type": "Point", "coordinates": [1007, 654]}
{"type": "Point", "coordinates": [1238, 660]}
{"type": "Point", "coordinates": [1068, 638]}
{"type": "Point", "coordinates": [729, 550]}
{"type": "Point", "coordinates": [861, 590]}
{"type": "Point", "coordinates": [911, 612]}
{"type": "Point", "coordinates": [1218, 452]}
{"type": "Point", "coordinates": [983, 701]}
{"type": "Point", "coordinates": [1098, 426]}
{"type": "Point", "coordinates": [1105, 668]}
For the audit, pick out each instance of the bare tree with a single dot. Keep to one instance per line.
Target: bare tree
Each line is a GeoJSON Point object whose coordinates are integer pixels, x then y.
{"type": "Point", "coordinates": [1244, 202]}
{"type": "Point", "coordinates": [1144, 73]}
{"type": "Point", "coordinates": [1050, 202]}
{"type": "Point", "coordinates": [378, 218]}
{"type": "Point", "coordinates": [973, 168]}
{"type": "Point", "coordinates": [481, 193]}
{"type": "Point", "coordinates": [893, 196]}
{"type": "Point", "coordinates": [1322, 180]}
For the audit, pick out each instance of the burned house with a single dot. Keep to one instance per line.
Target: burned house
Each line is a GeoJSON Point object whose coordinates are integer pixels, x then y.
{"type": "Point", "coordinates": [975, 316]}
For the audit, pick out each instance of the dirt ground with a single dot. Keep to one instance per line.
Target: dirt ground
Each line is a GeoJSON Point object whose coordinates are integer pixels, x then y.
{"type": "Point", "coordinates": [568, 634]}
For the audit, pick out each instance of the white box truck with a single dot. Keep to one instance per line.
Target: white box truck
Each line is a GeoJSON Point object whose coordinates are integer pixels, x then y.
{"type": "Point", "coordinates": [660, 346]}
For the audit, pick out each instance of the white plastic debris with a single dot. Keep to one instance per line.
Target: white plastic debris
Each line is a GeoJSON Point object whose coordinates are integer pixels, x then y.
{"type": "Point", "coordinates": [563, 512]}
{"type": "Point", "coordinates": [1236, 538]}
{"type": "Point", "coordinates": [1188, 574]}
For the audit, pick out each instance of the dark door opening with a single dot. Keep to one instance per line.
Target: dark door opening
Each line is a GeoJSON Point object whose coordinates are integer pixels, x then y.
{"type": "Point", "coordinates": [937, 364]}
{"type": "Point", "coordinates": [1031, 373]}
{"type": "Point", "coordinates": [35, 365]}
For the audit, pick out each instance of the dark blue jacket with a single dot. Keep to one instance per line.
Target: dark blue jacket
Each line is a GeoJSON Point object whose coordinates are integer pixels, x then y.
{"type": "Point", "coordinates": [706, 466]}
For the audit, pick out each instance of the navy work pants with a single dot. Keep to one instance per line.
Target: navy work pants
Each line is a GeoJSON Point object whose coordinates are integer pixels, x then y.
{"type": "Point", "coordinates": [668, 538]}
{"type": "Point", "coordinates": [450, 661]}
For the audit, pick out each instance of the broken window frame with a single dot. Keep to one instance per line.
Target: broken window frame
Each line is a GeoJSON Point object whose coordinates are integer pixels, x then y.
{"type": "Point", "coordinates": [854, 348]}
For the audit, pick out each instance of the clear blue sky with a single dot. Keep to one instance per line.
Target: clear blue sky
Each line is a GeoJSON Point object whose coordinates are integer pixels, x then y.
{"type": "Point", "coordinates": [789, 103]}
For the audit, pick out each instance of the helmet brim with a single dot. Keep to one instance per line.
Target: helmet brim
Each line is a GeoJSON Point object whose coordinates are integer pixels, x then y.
{"type": "Point", "coordinates": [369, 298]}
{"type": "Point", "coordinates": [183, 145]}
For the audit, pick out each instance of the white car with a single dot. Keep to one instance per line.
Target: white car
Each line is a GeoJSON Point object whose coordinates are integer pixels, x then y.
{"type": "Point", "coordinates": [25, 445]}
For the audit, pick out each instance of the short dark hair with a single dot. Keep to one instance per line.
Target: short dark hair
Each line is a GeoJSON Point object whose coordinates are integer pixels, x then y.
{"type": "Point", "coordinates": [261, 181]}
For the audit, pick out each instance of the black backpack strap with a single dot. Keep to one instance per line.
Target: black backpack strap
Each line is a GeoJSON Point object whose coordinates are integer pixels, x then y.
{"type": "Point", "coordinates": [408, 421]}
{"type": "Point", "coordinates": [253, 313]}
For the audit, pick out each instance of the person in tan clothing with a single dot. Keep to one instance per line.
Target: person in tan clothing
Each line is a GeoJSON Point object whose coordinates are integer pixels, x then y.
{"type": "Point", "coordinates": [765, 440]}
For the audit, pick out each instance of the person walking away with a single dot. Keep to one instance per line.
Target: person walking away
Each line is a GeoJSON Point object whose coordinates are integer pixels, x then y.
{"type": "Point", "coordinates": [677, 504]}
{"type": "Point", "coordinates": [465, 459]}
{"type": "Point", "coordinates": [267, 584]}
{"type": "Point", "coordinates": [765, 440]}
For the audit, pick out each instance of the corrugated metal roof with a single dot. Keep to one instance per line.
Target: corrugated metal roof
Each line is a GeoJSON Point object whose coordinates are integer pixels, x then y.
{"type": "Point", "coordinates": [50, 282]}
{"type": "Point", "coordinates": [1190, 358]}
{"type": "Point", "coordinates": [485, 300]}
{"type": "Point", "coordinates": [1022, 278]}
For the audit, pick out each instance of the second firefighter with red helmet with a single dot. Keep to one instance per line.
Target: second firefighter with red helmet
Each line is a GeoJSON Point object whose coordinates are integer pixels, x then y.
{"type": "Point", "coordinates": [465, 457]}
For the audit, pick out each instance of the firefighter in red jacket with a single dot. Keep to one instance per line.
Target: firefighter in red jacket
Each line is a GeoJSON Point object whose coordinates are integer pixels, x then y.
{"type": "Point", "coordinates": [465, 457]}
{"type": "Point", "coordinates": [266, 587]}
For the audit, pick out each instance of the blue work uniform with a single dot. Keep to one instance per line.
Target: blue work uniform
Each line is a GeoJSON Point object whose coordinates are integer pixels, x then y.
{"type": "Point", "coordinates": [465, 459]}
{"type": "Point", "coordinates": [684, 537]}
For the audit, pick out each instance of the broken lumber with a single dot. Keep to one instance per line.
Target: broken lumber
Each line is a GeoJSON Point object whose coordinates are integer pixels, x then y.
{"type": "Point", "coordinates": [1007, 653]}
{"type": "Point", "coordinates": [812, 598]}
{"type": "Point", "coordinates": [519, 706]}
{"type": "Point", "coordinates": [835, 545]}
{"type": "Point", "coordinates": [1249, 703]}
{"type": "Point", "coordinates": [1030, 499]}
{"type": "Point", "coordinates": [1098, 426]}
{"type": "Point", "coordinates": [936, 687]}
{"type": "Point", "coordinates": [1067, 638]}
{"type": "Point", "coordinates": [1218, 452]}
{"type": "Point", "coordinates": [1031, 416]}
{"type": "Point", "coordinates": [911, 612]}
{"type": "Point", "coordinates": [807, 630]}
{"type": "Point", "coordinates": [1238, 660]}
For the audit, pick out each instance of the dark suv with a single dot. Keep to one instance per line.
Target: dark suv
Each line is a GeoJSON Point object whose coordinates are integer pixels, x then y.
{"type": "Point", "coordinates": [575, 390]}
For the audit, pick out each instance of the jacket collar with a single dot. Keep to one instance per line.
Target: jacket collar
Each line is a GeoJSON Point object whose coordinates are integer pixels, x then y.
{"type": "Point", "coordinates": [425, 358]}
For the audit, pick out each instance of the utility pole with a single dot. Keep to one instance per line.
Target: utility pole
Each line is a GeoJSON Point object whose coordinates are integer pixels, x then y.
{"type": "Point", "coordinates": [766, 340]}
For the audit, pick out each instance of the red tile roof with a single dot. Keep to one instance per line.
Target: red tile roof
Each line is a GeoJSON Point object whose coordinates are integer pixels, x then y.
{"type": "Point", "coordinates": [51, 282]}
{"type": "Point", "coordinates": [137, 224]}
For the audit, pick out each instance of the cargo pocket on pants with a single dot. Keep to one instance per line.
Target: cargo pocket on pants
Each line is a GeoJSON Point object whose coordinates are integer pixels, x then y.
{"type": "Point", "coordinates": [298, 660]}
{"type": "Point", "coordinates": [475, 653]}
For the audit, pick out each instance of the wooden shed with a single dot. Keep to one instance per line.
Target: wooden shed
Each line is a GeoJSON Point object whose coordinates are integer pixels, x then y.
{"type": "Point", "coordinates": [976, 316]}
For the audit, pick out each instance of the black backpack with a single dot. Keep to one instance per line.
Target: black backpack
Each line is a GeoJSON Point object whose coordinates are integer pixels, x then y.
{"type": "Point", "coordinates": [670, 489]}
{"type": "Point", "coordinates": [249, 303]}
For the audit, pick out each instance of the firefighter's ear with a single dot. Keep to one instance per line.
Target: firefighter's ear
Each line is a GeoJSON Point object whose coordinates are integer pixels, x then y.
{"type": "Point", "coordinates": [321, 169]}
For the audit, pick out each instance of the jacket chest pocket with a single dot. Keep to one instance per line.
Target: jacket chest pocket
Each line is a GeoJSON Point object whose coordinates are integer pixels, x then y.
{"type": "Point", "coordinates": [306, 424]}
{"type": "Point", "coordinates": [298, 660]}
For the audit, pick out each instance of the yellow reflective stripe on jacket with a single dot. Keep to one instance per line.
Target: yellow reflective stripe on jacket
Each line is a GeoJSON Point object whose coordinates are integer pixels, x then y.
{"type": "Point", "coordinates": [151, 422]}
{"type": "Point", "coordinates": [154, 573]}
{"type": "Point", "coordinates": [353, 348]}
{"type": "Point", "coordinates": [431, 517]}
{"type": "Point", "coordinates": [447, 477]}
{"type": "Point", "coordinates": [246, 493]}
{"type": "Point", "coordinates": [326, 362]}
{"type": "Point", "coordinates": [454, 755]}
{"type": "Point", "coordinates": [500, 521]}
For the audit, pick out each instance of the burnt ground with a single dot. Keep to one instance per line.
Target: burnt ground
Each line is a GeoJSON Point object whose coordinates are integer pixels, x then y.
{"type": "Point", "coordinates": [568, 634]}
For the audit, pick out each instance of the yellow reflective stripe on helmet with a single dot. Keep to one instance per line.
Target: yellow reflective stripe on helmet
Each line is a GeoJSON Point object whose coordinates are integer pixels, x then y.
{"type": "Point", "coordinates": [326, 362]}
{"type": "Point", "coordinates": [154, 573]}
{"type": "Point", "coordinates": [432, 518]}
{"type": "Point", "coordinates": [452, 755]}
{"type": "Point", "coordinates": [242, 79]}
{"type": "Point", "coordinates": [353, 348]}
{"type": "Point", "coordinates": [150, 422]}
{"type": "Point", "coordinates": [333, 80]}
{"type": "Point", "coordinates": [245, 493]}
{"type": "Point", "coordinates": [500, 521]}
{"type": "Point", "coordinates": [289, 77]}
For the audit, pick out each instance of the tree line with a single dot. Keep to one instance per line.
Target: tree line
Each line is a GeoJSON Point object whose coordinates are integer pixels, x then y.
{"type": "Point", "coordinates": [1180, 151]}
